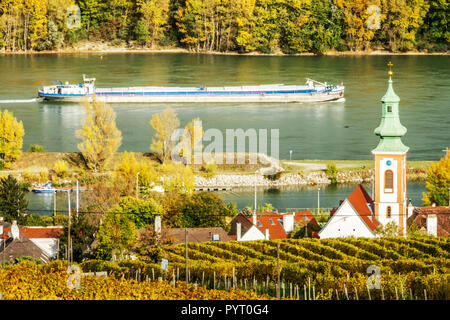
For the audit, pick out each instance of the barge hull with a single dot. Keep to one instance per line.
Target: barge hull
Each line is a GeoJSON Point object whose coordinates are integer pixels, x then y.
{"type": "Point", "coordinates": [308, 97]}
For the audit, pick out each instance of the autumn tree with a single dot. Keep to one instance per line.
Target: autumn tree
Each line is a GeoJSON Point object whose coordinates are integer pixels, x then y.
{"type": "Point", "coordinates": [176, 177]}
{"type": "Point", "coordinates": [99, 134]}
{"type": "Point", "coordinates": [402, 20]}
{"type": "Point", "coordinates": [116, 236]}
{"type": "Point", "coordinates": [155, 16]}
{"type": "Point", "coordinates": [357, 33]}
{"type": "Point", "coordinates": [164, 125]}
{"type": "Point", "coordinates": [150, 244]}
{"type": "Point", "coordinates": [190, 142]}
{"type": "Point", "coordinates": [129, 168]}
{"type": "Point", "coordinates": [11, 137]}
{"type": "Point", "coordinates": [206, 209]}
{"type": "Point", "coordinates": [142, 212]}
{"type": "Point", "coordinates": [438, 183]}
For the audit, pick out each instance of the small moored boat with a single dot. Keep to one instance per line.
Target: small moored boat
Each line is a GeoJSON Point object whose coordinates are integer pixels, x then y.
{"type": "Point", "coordinates": [46, 188]}
{"type": "Point", "coordinates": [312, 91]}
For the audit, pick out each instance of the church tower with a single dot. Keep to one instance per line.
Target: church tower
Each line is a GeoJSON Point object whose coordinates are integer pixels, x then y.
{"type": "Point", "coordinates": [390, 163]}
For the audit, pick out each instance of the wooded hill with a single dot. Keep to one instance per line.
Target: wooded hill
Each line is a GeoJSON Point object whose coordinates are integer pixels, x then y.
{"type": "Point", "coordinates": [267, 26]}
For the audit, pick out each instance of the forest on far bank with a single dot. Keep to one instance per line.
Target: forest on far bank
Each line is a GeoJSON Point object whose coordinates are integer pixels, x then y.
{"type": "Point", "coordinates": [266, 26]}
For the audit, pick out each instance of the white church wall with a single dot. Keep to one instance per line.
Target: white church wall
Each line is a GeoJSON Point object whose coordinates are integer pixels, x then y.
{"type": "Point", "coordinates": [345, 223]}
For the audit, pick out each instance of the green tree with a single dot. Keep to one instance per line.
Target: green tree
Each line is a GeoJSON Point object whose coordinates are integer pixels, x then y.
{"type": "Point", "coordinates": [206, 209]}
{"type": "Point", "coordinates": [142, 212]}
{"type": "Point", "coordinates": [438, 183]}
{"type": "Point", "coordinates": [13, 204]}
{"type": "Point", "coordinates": [332, 172]}
{"type": "Point", "coordinates": [11, 137]}
{"type": "Point", "coordinates": [36, 148]}
{"type": "Point", "coordinates": [116, 236]}
{"type": "Point", "coordinates": [82, 234]}
{"type": "Point", "coordinates": [388, 230]}
{"type": "Point", "coordinates": [99, 134]}
{"type": "Point", "coordinates": [141, 32]}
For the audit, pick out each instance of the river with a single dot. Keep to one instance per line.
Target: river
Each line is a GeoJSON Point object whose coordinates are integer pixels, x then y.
{"type": "Point", "coordinates": [336, 130]}
{"type": "Point", "coordinates": [283, 198]}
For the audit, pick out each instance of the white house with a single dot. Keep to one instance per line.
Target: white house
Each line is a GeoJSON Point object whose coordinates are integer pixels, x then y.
{"type": "Point", "coordinates": [46, 238]}
{"type": "Point", "coordinates": [269, 225]}
{"type": "Point", "coordinates": [354, 217]}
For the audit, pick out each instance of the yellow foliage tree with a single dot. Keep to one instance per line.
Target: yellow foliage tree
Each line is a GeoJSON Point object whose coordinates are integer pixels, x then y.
{"type": "Point", "coordinates": [11, 137]}
{"type": "Point", "coordinates": [356, 15]}
{"type": "Point", "coordinates": [100, 135]}
{"type": "Point", "coordinates": [35, 21]}
{"type": "Point", "coordinates": [438, 183]}
{"type": "Point", "coordinates": [164, 124]}
{"type": "Point", "coordinates": [177, 177]}
{"type": "Point", "coordinates": [129, 167]}
{"type": "Point", "coordinates": [61, 168]}
{"type": "Point", "coordinates": [190, 141]}
{"type": "Point", "coordinates": [155, 16]}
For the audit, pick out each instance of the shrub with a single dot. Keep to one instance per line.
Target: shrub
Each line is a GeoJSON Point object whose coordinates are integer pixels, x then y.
{"type": "Point", "coordinates": [331, 172]}
{"type": "Point", "coordinates": [61, 168]}
{"type": "Point", "coordinates": [36, 148]}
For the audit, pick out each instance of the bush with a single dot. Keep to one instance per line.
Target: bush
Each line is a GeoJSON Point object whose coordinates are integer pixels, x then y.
{"type": "Point", "coordinates": [35, 219]}
{"type": "Point", "coordinates": [331, 172]}
{"type": "Point", "coordinates": [36, 148]}
{"type": "Point", "coordinates": [210, 167]}
{"type": "Point", "coordinates": [61, 168]}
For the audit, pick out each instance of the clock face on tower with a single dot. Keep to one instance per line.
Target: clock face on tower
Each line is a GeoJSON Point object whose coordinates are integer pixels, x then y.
{"type": "Point", "coordinates": [389, 163]}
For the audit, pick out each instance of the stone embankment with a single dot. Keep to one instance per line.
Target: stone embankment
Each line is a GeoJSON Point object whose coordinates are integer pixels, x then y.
{"type": "Point", "coordinates": [287, 179]}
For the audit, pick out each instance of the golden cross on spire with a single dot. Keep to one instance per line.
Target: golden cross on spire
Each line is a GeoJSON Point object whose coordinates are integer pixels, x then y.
{"type": "Point", "coordinates": [390, 73]}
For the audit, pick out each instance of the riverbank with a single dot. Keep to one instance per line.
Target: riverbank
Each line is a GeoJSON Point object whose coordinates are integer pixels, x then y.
{"type": "Point", "coordinates": [107, 48]}
{"type": "Point", "coordinates": [295, 172]}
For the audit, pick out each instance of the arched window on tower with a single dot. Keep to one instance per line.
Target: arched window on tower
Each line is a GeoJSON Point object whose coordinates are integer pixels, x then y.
{"type": "Point", "coordinates": [388, 181]}
{"type": "Point", "coordinates": [388, 212]}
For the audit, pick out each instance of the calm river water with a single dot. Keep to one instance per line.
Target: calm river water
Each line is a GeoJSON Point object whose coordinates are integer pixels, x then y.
{"type": "Point", "coordinates": [338, 130]}
{"type": "Point", "coordinates": [281, 198]}
{"type": "Point", "coordinates": [335, 130]}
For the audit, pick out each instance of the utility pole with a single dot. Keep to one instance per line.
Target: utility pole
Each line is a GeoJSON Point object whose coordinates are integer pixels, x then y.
{"type": "Point", "coordinates": [69, 242]}
{"type": "Point", "coordinates": [254, 208]}
{"type": "Point", "coordinates": [77, 199]}
{"type": "Point", "coordinates": [137, 185]}
{"type": "Point", "coordinates": [278, 271]}
{"type": "Point", "coordinates": [186, 253]}
{"type": "Point", "coordinates": [54, 204]}
{"type": "Point", "coordinates": [318, 200]}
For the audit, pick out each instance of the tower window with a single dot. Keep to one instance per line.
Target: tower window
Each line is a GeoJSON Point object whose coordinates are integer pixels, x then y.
{"type": "Point", "coordinates": [388, 181]}
{"type": "Point", "coordinates": [388, 212]}
{"type": "Point", "coordinates": [389, 108]}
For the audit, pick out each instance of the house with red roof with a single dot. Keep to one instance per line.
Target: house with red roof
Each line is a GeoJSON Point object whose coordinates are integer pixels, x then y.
{"type": "Point", "coordinates": [31, 240]}
{"type": "Point", "coordinates": [354, 217]}
{"type": "Point", "coordinates": [433, 220]}
{"type": "Point", "coordinates": [269, 225]}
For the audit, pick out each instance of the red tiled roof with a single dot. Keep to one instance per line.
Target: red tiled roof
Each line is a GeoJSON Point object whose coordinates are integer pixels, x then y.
{"type": "Point", "coordinates": [360, 200]}
{"type": "Point", "coordinates": [433, 210]}
{"type": "Point", "coordinates": [36, 232]}
{"type": "Point", "coordinates": [276, 230]}
{"type": "Point", "coordinates": [443, 218]}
